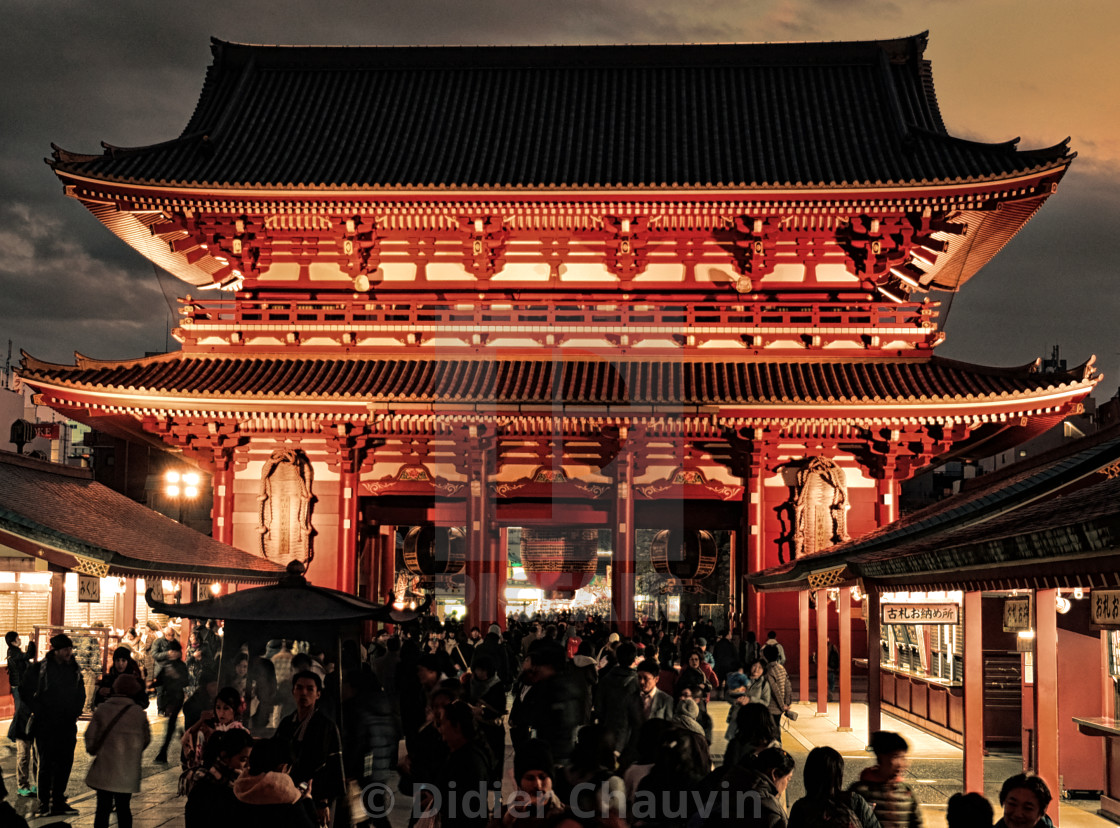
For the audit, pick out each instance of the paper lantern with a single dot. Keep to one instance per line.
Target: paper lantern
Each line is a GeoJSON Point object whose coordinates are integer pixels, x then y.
{"type": "Point", "coordinates": [560, 560]}
{"type": "Point", "coordinates": [430, 551]}
{"type": "Point", "coordinates": [687, 554]}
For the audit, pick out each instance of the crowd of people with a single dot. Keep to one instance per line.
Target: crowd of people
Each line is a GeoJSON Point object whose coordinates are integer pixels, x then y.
{"type": "Point", "coordinates": [604, 731]}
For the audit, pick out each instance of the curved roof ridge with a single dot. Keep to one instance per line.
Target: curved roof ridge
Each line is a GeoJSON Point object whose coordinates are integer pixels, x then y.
{"type": "Point", "coordinates": [84, 362]}
{"type": "Point", "coordinates": [920, 40]}
{"type": "Point", "coordinates": [1081, 373]}
{"type": "Point", "coordinates": [1058, 151]}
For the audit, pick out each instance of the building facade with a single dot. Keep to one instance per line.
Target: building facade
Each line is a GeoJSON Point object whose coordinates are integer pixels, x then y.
{"type": "Point", "coordinates": [682, 288]}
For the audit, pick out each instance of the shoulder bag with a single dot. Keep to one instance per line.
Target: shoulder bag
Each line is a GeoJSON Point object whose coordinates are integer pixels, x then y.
{"type": "Point", "coordinates": [100, 740]}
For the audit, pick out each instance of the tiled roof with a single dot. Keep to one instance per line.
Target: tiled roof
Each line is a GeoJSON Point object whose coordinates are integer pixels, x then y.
{"type": "Point", "coordinates": [62, 507]}
{"type": "Point", "coordinates": [569, 382]}
{"type": "Point", "coordinates": [1083, 524]}
{"type": "Point", "coordinates": [725, 115]}
{"type": "Point", "coordinates": [1017, 501]}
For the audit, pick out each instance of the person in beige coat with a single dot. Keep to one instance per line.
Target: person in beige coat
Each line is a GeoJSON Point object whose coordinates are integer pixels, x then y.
{"type": "Point", "coordinates": [116, 738]}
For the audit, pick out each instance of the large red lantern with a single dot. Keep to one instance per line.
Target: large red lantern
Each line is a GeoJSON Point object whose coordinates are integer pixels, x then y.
{"type": "Point", "coordinates": [687, 554]}
{"type": "Point", "coordinates": [430, 551]}
{"type": "Point", "coordinates": [560, 560]}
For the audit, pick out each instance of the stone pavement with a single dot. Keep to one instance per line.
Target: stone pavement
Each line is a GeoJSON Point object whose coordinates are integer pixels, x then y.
{"type": "Point", "coordinates": [935, 771]}
{"type": "Point", "coordinates": [936, 767]}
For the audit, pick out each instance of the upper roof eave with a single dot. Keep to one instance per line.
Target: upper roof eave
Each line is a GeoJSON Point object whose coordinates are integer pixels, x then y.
{"type": "Point", "coordinates": [240, 189]}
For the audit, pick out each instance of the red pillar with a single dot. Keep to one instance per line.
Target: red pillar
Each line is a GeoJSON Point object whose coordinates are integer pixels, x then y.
{"type": "Point", "coordinates": [874, 680]}
{"type": "Point", "coordinates": [844, 608]}
{"type": "Point", "coordinates": [481, 586]}
{"type": "Point", "coordinates": [190, 595]}
{"type": "Point", "coordinates": [973, 694]}
{"type": "Point", "coordinates": [492, 587]}
{"type": "Point", "coordinates": [56, 607]}
{"type": "Point", "coordinates": [803, 649]}
{"type": "Point", "coordinates": [754, 511]}
{"type": "Point", "coordinates": [222, 520]}
{"type": "Point", "coordinates": [503, 570]}
{"type": "Point", "coordinates": [822, 651]}
{"type": "Point", "coordinates": [1108, 689]}
{"type": "Point", "coordinates": [735, 590]}
{"type": "Point", "coordinates": [385, 553]}
{"type": "Point", "coordinates": [346, 562]}
{"type": "Point", "coordinates": [622, 543]}
{"type": "Point", "coordinates": [129, 602]}
{"type": "Point", "coordinates": [1046, 688]}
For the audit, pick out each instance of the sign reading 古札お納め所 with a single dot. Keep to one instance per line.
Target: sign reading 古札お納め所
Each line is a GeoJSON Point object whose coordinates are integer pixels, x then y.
{"type": "Point", "coordinates": [1104, 608]}
{"type": "Point", "coordinates": [920, 613]}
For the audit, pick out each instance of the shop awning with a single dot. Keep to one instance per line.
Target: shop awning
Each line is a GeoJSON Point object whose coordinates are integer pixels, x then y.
{"type": "Point", "coordinates": [61, 515]}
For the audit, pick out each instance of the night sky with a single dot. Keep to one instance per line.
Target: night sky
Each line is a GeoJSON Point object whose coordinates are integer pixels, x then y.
{"type": "Point", "coordinates": [129, 74]}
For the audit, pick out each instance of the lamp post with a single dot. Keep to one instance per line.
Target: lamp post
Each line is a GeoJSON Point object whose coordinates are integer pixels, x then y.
{"type": "Point", "coordinates": [181, 487]}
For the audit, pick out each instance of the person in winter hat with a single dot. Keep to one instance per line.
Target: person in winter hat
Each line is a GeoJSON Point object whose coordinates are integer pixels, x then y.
{"type": "Point", "coordinates": [116, 738]}
{"type": "Point", "coordinates": [269, 796]}
{"type": "Point", "coordinates": [55, 694]}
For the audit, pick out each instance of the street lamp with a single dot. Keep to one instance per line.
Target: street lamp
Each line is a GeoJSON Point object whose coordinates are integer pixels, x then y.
{"type": "Point", "coordinates": [181, 486]}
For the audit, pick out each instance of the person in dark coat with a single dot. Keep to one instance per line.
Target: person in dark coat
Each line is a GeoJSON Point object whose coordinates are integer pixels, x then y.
{"type": "Point", "coordinates": [487, 699]}
{"type": "Point", "coordinates": [371, 735]}
{"type": "Point", "coordinates": [18, 664]}
{"type": "Point", "coordinates": [726, 655]}
{"type": "Point", "coordinates": [160, 653]}
{"type": "Point", "coordinates": [616, 698]}
{"type": "Point", "coordinates": [266, 795]}
{"type": "Point", "coordinates": [54, 691]}
{"type": "Point", "coordinates": [492, 647]}
{"type": "Point", "coordinates": [311, 739]}
{"type": "Point", "coordinates": [555, 701]}
{"type": "Point", "coordinates": [172, 681]}
{"type": "Point", "coordinates": [211, 802]}
{"type": "Point", "coordinates": [123, 664]}
{"type": "Point", "coordinates": [763, 777]}
{"type": "Point", "coordinates": [463, 781]}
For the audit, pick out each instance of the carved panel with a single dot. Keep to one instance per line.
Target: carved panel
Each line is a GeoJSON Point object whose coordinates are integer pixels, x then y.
{"type": "Point", "coordinates": [285, 507]}
{"type": "Point", "coordinates": [820, 506]}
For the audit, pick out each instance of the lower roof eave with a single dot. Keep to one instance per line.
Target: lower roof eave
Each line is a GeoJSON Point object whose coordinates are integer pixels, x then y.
{"type": "Point", "coordinates": [71, 554]}
{"type": "Point", "coordinates": [1088, 571]}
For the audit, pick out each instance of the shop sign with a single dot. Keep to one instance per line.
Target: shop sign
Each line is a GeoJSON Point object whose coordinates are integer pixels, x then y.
{"type": "Point", "coordinates": [1104, 608]}
{"type": "Point", "coordinates": [89, 589]}
{"type": "Point", "coordinates": [1017, 614]}
{"type": "Point", "coordinates": [920, 613]}
{"type": "Point", "coordinates": [673, 610]}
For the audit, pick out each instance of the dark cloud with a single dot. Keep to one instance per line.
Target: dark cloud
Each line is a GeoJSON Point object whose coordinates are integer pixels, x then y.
{"type": "Point", "coordinates": [1054, 284]}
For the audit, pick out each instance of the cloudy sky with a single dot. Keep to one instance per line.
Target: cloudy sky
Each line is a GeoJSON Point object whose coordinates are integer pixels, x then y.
{"type": "Point", "coordinates": [129, 73]}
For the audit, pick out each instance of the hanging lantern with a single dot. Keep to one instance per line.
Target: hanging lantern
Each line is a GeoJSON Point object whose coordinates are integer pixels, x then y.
{"type": "Point", "coordinates": [430, 551]}
{"type": "Point", "coordinates": [686, 554]}
{"type": "Point", "coordinates": [560, 560]}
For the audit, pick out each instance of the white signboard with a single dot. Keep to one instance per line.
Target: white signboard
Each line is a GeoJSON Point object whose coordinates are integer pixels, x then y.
{"type": "Point", "coordinates": [89, 589]}
{"type": "Point", "coordinates": [920, 613]}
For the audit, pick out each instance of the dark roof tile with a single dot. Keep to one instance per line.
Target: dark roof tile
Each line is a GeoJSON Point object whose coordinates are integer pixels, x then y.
{"type": "Point", "coordinates": [725, 115]}
{"type": "Point", "coordinates": [571, 381]}
{"type": "Point", "coordinates": [64, 508]}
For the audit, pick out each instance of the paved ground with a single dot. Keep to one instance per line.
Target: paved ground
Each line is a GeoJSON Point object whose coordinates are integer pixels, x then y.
{"type": "Point", "coordinates": [935, 772]}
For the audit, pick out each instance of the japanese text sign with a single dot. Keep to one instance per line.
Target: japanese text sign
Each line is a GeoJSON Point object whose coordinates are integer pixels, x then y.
{"type": "Point", "coordinates": [1104, 608]}
{"type": "Point", "coordinates": [1017, 614]}
{"type": "Point", "coordinates": [895, 613]}
{"type": "Point", "coordinates": [89, 589]}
